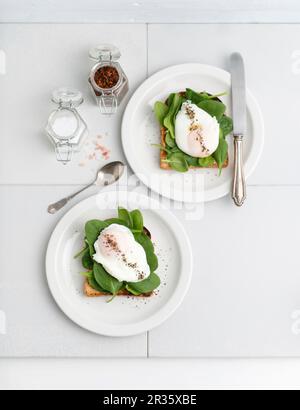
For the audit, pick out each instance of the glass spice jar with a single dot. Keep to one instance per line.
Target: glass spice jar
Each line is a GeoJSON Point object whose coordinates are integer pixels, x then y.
{"type": "Point", "coordinates": [108, 81]}
{"type": "Point", "coordinates": [65, 127]}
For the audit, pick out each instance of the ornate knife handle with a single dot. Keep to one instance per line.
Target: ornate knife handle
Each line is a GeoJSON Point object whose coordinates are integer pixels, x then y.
{"type": "Point", "coordinates": [239, 184]}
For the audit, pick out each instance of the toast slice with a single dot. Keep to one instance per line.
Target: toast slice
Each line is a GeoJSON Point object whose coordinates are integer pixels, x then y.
{"type": "Point", "coordinates": [163, 155]}
{"type": "Point", "coordinates": [90, 292]}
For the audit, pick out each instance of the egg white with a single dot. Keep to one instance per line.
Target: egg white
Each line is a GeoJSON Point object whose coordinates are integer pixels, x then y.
{"type": "Point", "coordinates": [197, 134]}
{"type": "Point", "coordinates": [113, 261]}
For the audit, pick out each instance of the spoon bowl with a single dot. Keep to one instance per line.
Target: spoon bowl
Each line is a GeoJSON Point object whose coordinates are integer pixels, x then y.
{"type": "Point", "coordinates": [110, 173]}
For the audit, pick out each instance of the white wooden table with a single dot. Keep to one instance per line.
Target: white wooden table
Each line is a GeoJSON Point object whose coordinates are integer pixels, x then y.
{"type": "Point", "coordinates": [248, 313]}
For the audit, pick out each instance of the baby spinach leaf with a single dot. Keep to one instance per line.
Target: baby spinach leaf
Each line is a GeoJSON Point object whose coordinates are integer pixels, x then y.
{"type": "Point", "coordinates": [173, 110]}
{"type": "Point", "coordinates": [152, 261]}
{"type": "Point", "coordinates": [132, 291]}
{"type": "Point", "coordinates": [196, 98]}
{"type": "Point", "coordinates": [145, 241]}
{"type": "Point", "coordinates": [92, 282]}
{"type": "Point", "coordinates": [178, 162]}
{"type": "Point", "coordinates": [175, 150]}
{"type": "Point", "coordinates": [171, 143]}
{"type": "Point", "coordinates": [87, 261]}
{"type": "Point", "coordinates": [137, 220]}
{"type": "Point", "coordinates": [81, 252]}
{"type": "Point", "coordinates": [117, 221]}
{"type": "Point", "coordinates": [220, 155]}
{"type": "Point", "coordinates": [147, 244]}
{"type": "Point", "coordinates": [161, 110]}
{"type": "Point", "coordinates": [213, 108]}
{"type": "Point", "coordinates": [87, 274]}
{"type": "Point", "coordinates": [105, 280]}
{"type": "Point", "coordinates": [226, 125]}
{"type": "Point", "coordinates": [145, 286]}
{"type": "Point", "coordinates": [93, 229]}
{"type": "Point", "coordinates": [206, 162]}
{"type": "Point", "coordinates": [192, 161]}
{"type": "Point", "coordinates": [125, 216]}
{"type": "Point", "coordinates": [162, 148]}
{"type": "Point", "coordinates": [170, 99]}
{"type": "Point", "coordinates": [91, 250]}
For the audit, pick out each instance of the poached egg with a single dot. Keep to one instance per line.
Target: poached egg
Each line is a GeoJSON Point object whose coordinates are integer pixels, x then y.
{"type": "Point", "coordinates": [196, 132]}
{"type": "Point", "coordinates": [121, 255]}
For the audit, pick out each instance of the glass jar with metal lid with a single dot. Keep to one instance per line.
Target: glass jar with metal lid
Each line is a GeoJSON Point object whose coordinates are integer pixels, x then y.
{"type": "Point", "coordinates": [107, 79]}
{"type": "Point", "coordinates": [65, 127]}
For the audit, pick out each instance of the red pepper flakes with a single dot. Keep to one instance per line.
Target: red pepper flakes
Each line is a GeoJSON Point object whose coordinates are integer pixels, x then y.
{"type": "Point", "coordinates": [106, 77]}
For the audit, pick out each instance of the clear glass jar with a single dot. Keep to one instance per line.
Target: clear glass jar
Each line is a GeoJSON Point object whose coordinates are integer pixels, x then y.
{"type": "Point", "coordinates": [65, 127]}
{"type": "Point", "coordinates": [108, 81]}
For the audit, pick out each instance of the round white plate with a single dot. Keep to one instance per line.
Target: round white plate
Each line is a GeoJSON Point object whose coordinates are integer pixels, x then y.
{"type": "Point", "coordinates": [140, 129]}
{"type": "Point", "coordinates": [124, 315]}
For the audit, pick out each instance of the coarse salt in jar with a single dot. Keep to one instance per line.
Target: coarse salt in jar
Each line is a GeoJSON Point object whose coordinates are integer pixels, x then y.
{"type": "Point", "coordinates": [65, 127]}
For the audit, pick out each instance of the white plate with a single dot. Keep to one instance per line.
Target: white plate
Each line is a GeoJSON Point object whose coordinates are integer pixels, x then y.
{"type": "Point", "coordinates": [140, 130]}
{"type": "Point", "coordinates": [123, 316]}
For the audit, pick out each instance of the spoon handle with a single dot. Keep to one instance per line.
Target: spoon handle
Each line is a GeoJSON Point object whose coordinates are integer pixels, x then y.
{"type": "Point", "coordinates": [53, 208]}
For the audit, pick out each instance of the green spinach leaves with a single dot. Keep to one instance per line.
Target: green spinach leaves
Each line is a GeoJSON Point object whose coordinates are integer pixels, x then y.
{"type": "Point", "coordinates": [137, 220]}
{"type": "Point", "coordinates": [169, 120]}
{"type": "Point", "coordinates": [145, 286]}
{"type": "Point", "coordinates": [161, 110]}
{"type": "Point", "coordinates": [206, 162]}
{"type": "Point", "coordinates": [147, 244]}
{"type": "Point", "coordinates": [133, 220]}
{"type": "Point", "coordinates": [105, 280]}
{"type": "Point", "coordinates": [213, 108]}
{"type": "Point", "coordinates": [92, 230]}
{"type": "Point", "coordinates": [226, 125]}
{"type": "Point", "coordinates": [125, 216]}
{"type": "Point", "coordinates": [177, 161]}
{"type": "Point", "coordinates": [220, 155]}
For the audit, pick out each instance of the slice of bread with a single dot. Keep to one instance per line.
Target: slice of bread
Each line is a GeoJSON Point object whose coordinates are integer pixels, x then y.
{"type": "Point", "coordinates": [163, 155]}
{"type": "Point", "coordinates": [90, 292]}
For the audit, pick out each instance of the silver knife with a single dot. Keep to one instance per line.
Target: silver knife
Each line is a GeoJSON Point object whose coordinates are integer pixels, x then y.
{"type": "Point", "coordinates": [238, 92]}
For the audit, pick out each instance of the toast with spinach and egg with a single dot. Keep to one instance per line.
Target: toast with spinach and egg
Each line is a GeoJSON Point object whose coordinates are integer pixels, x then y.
{"type": "Point", "coordinates": [204, 117]}
{"type": "Point", "coordinates": [119, 257]}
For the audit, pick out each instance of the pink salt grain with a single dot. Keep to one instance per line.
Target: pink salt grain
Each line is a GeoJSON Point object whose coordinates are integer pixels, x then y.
{"type": "Point", "coordinates": [103, 150]}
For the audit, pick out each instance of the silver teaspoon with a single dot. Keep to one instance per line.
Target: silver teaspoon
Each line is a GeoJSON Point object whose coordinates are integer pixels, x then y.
{"type": "Point", "coordinates": [107, 175]}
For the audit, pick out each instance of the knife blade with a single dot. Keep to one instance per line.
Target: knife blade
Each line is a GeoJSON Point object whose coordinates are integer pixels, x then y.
{"type": "Point", "coordinates": [238, 91]}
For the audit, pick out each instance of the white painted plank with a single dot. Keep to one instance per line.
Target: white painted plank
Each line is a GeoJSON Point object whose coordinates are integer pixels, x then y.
{"type": "Point", "coordinates": [149, 11]}
{"type": "Point", "coordinates": [244, 300]}
{"type": "Point", "coordinates": [272, 58]}
{"type": "Point", "coordinates": [35, 326]}
{"type": "Point", "coordinates": [40, 58]}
